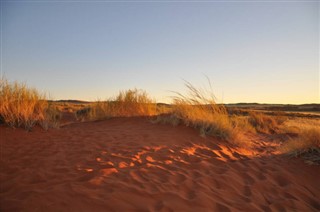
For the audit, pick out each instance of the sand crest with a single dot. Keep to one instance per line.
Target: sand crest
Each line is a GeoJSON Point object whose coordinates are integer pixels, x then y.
{"type": "Point", "coordinates": [130, 164]}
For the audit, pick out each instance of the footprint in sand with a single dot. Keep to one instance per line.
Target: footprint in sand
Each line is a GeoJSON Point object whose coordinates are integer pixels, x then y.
{"type": "Point", "coordinates": [190, 195]}
{"type": "Point", "coordinates": [289, 196]}
{"type": "Point", "coordinates": [177, 178]}
{"type": "Point", "coordinates": [247, 191]}
{"type": "Point", "coordinates": [85, 177]}
{"type": "Point", "coordinates": [221, 208]}
{"type": "Point", "coordinates": [220, 170]}
{"type": "Point", "coordinates": [260, 176]}
{"type": "Point", "coordinates": [158, 206]}
{"type": "Point", "coordinates": [247, 179]}
{"type": "Point", "coordinates": [281, 181]}
{"type": "Point", "coordinates": [314, 202]}
{"type": "Point", "coordinates": [61, 170]}
{"type": "Point", "coordinates": [196, 174]}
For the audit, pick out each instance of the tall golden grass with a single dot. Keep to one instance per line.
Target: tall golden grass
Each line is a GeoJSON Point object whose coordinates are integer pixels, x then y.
{"type": "Point", "coordinates": [21, 106]}
{"type": "Point", "coordinates": [265, 123]}
{"type": "Point", "coordinates": [307, 144]}
{"type": "Point", "coordinates": [198, 109]}
{"type": "Point", "coordinates": [128, 103]}
{"type": "Point", "coordinates": [133, 102]}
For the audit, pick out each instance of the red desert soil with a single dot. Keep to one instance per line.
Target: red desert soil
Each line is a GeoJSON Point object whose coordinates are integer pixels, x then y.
{"type": "Point", "coordinates": [130, 164]}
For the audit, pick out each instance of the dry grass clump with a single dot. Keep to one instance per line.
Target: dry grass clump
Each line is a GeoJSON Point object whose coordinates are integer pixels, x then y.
{"type": "Point", "coordinates": [52, 117]}
{"type": "Point", "coordinates": [69, 106]}
{"type": "Point", "coordinates": [132, 102]}
{"type": "Point", "coordinates": [242, 123]}
{"type": "Point", "coordinates": [294, 124]}
{"type": "Point", "coordinates": [199, 109]}
{"type": "Point", "coordinates": [163, 108]}
{"type": "Point", "coordinates": [21, 106]}
{"type": "Point", "coordinates": [98, 110]}
{"type": "Point", "coordinates": [307, 145]}
{"type": "Point", "coordinates": [265, 123]}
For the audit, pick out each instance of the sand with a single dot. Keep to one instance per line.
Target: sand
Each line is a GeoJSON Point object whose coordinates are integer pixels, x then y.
{"type": "Point", "coordinates": [131, 164]}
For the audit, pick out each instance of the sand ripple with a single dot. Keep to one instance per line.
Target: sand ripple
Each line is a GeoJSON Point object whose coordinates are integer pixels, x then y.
{"type": "Point", "coordinates": [127, 164]}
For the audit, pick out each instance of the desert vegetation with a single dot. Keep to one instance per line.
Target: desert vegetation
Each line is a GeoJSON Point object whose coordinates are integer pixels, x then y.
{"type": "Point", "coordinates": [119, 157]}
{"type": "Point", "coordinates": [128, 103]}
{"type": "Point", "coordinates": [265, 123]}
{"type": "Point", "coordinates": [21, 106]}
{"type": "Point", "coordinates": [198, 109]}
{"type": "Point", "coordinates": [306, 144]}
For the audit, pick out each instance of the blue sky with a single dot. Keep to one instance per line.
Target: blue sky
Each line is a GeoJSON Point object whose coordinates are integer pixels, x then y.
{"type": "Point", "coordinates": [265, 52]}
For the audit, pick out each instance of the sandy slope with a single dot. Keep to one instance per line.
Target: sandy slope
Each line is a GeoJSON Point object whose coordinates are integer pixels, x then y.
{"type": "Point", "coordinates": [127, 164]}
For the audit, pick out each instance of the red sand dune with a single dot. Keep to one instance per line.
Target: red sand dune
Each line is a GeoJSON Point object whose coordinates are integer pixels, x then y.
{"type": "Point", "coordinates": [130, 164]}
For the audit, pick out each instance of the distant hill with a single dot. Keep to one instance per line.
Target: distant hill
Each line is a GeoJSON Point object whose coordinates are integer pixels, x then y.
{"type": "Point", "coordinates": [70, 101]}
{"type": "Point", "coordinates": [277, 107]}
{"type": "Point", "coordinates": [242, 105]}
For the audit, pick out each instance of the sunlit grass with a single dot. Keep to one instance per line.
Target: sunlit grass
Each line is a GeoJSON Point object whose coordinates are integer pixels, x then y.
{"type": "Point", "coordinates": [265, 123]}
{"type": "Point", "coordinates": [199, 109]}
{"type": "Point", "coordinates": [21, 106]}
{"type": "Point", "coordinates": [306, 144]}
{"type": "Point", "coordinates": [132, 102]}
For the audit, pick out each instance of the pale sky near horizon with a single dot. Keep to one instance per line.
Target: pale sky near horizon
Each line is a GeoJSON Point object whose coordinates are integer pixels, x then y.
{"type": "Point", "coordinates": [252, 51]}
